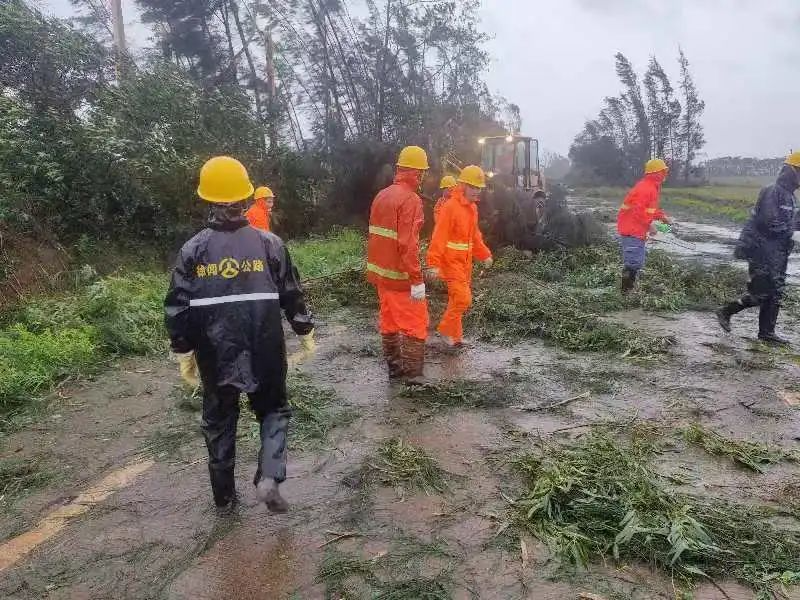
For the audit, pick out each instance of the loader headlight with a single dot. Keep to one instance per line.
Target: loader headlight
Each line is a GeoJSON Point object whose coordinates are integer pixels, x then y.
{"type": "Point", "coordinates": [490, 174]}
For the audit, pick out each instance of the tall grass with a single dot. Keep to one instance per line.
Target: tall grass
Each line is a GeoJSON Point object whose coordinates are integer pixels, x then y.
{"type": "Point", "coordinates": [319, 256]}
{"type": "Point", "coordinates": [49, 339]}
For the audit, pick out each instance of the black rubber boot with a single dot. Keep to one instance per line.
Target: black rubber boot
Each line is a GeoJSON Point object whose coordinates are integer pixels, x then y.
{"type": "Point", "coordinates": [223, 486]}
{"type": "Point", "coordinates": [271, 471]}
{"type": "Point", "coordinates": [220, 415]}
{"type": "Point", "coordinates": [628, 281]}
{"type": "Point", "coordinates": [767, 319]}
{"type": "Point", "coordinates": [725, 313]}
{"type": "Point", "coordinates": [226, 510]}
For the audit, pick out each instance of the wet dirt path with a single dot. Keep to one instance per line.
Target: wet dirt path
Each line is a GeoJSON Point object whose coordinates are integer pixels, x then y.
{"type": "Point", "coordinates": [158, 536]}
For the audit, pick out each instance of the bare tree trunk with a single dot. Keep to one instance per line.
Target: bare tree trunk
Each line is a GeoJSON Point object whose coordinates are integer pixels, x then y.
{"type": "Point", "coordinates": [226, 21]}
{"type": "Point", "coordinates": [345, 71]}
{"type": "Point", "coordinates": [332, 89]}
{"type": "Point", "coordinates": [272, 129]}
{"type": "Point", "coordinates": [382, 75]}
{"type": "Point", "coordinates": [251, 65]}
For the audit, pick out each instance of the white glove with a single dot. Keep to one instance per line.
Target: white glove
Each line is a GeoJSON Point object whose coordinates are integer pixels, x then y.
{"type": "Point", "coordinates": [487, 264]}
{"type": "Point", "coordinates": [418, 292]}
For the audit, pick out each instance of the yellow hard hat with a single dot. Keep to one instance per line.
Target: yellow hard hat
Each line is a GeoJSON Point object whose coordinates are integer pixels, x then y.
{"type": "Point", "coordinates": [447, 181]}
{"type": "Point", "coordinates": [224, 180]}
{"type": "Point", "coordinates": [793, 159]}
{"type": "Point", "coordinates": [413, 157]}
{"type": "Point", "coordinates": [473, 175]}
{"type": "Point", "coordinates": [655, 165]}
{"type": "Point", "coordinates": [263, 192]}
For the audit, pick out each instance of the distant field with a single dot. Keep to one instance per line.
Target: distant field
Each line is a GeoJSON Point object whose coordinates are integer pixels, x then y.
{"type": "Point", "coordinates": [743, 180]}
{"type": "Point", "coordinates": [732, 202]}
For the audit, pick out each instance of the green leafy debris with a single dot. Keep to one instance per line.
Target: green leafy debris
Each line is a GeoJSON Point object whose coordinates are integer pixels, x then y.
{"type": "Point", "coordinates": [601, 498]}
{"type": "Point", "coordinates": [749, 454]}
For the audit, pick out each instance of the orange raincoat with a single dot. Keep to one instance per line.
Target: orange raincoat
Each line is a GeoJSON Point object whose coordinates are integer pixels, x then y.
{"type": "Point", "coordinates": [393, 264]}
{"type": "Point", "coordinates": [640, 207]}
{"type": "Point", "coordinates": [259, 214]}
{"type": "Point", "coordinates": [456, 241]}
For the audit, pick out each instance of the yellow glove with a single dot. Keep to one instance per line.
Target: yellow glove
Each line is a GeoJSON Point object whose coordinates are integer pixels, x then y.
{"type": "Point", "coordinates": [308, 343]}
{"type": "Point", "coordinates": [188, 368]}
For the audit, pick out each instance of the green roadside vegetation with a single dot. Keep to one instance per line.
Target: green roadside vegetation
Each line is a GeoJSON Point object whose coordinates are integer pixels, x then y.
{"type": "Point", "coordinates": [46, 340]}
{"type": "Point", "coordinates": [320, 256]}
{"type": "Point", "coordinates": [732, 203]}
{"type": "Point", "coordinates": [562, 296]}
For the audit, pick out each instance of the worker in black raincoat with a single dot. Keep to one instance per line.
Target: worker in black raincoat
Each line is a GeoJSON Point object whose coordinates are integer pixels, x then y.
{"type": "Point", "coordinates": [766, 242]}
{"type": "Point", "coordinates": [223, 313]}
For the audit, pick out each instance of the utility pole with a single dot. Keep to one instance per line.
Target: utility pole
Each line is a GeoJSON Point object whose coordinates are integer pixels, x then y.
{"type": "Point", "coordinates": [119, 34]}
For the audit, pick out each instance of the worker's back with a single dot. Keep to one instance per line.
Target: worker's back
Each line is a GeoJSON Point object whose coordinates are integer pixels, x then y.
{"type": "Point", "coordinates": [395, 220]}
{"type": "Point", "coordinates": [234, 279]}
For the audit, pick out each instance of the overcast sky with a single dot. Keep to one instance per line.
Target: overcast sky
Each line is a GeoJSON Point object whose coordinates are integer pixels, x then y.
{"type": "Point", "coordinates": [555, 58]}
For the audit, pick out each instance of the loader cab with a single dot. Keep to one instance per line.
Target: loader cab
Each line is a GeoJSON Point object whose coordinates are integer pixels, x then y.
{"type": "Point", "coordinates": [512, 160]}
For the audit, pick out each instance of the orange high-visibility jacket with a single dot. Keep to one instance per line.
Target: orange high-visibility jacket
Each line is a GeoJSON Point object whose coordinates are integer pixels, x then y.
{"type": "Point", "coordinates": [640, 207]}
{"type": "Point", "coordinates": [258, 214]}
{"type": "Point", "coordinates": [395, 220]}
{"type": "Point", "coordinates": [457, 238]}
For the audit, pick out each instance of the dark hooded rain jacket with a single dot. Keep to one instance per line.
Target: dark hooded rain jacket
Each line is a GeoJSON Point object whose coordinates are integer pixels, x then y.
{"type": "Point", "coordinates": [766, 238]}
{"type": "Point", "coordinates": [224, 302]}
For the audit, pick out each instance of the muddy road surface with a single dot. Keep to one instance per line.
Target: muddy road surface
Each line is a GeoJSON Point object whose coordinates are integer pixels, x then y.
{"type": "Point", "coordinates": [125, 508]}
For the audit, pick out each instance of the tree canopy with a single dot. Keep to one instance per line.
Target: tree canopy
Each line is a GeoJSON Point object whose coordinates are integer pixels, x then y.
{"type": "Point", "coordinates": [647, 120]}
{"type": "Point", "coordinates": [313, 99]}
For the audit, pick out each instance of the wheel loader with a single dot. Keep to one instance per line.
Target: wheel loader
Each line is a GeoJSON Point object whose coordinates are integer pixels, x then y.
{"type": "Point", "coordinates": [519, 208]}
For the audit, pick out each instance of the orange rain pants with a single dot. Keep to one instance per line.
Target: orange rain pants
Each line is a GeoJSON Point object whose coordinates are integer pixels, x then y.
{"type": "Point", "coordinates": [459, 299]}
{"type": "Point", "coordinates": [400, 314]}
{"type": "Point", "coordinates": [456, 241]}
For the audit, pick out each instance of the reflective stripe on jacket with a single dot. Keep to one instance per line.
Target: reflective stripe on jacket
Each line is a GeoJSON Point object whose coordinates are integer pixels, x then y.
{"type": "Point", "coordinates": [640, 207]}
{"type": "Point", "coordinates": [457, 238]}
{"type": "Point", "coordinates": [395, 220]}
